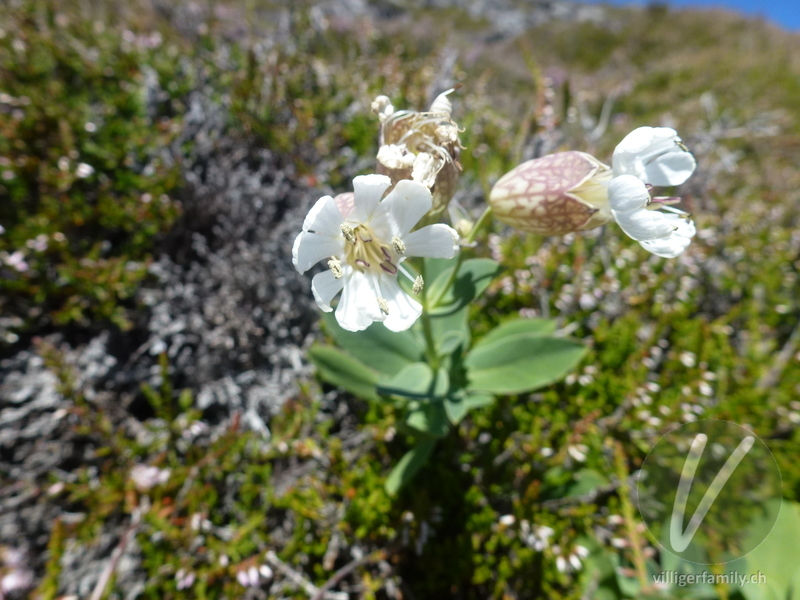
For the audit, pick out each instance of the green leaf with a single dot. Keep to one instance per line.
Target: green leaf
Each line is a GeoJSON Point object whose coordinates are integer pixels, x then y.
{"type": "Point", "coordinates": [449, 341]}
{"type": "Point", "coordinates": [408, 466]}
{"type": "Point", "coordinates": [434, 267]}
{"type": "Point", "coordinates": [377, 347]}
{"type": "Point", "coordinates": [338, 368]}
{"type": "Point", "coordinates": [776, 558]}
{"type": "Point", "coordinates": [598, 578]}
{"type": "Point", "coordinates": [520, 363]}
{"type": "Point", "coordinates": [585, 481]}
{"type": "Point", "coordinates": [517, 327]}
{"type": "Point", "coordinates": [559, 482]}
{"type": "Point", "coordinates": [417, 381]}
{"type": "Point", "coordinates": [458, 406]}
{"type": "Point", "coordinates": [429, 419]}
{"type": "Point", "coordinates": [472, 279]}
{"type": "Point", "coordinates": [451, 331]}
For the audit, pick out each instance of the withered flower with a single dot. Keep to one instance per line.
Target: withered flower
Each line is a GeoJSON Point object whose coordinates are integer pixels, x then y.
{"type": "Point", "coordinates": [420, 146]}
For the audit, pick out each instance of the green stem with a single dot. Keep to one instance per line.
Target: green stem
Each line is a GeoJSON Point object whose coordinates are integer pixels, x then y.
{"type": "Point", "coordinates": [487, 213]}
{"type": "Point", "coordinates": [427, 329]}
{"type": "Point", "coordinates": [479, 224]}
{"type": "Point", "coordinates": [629, 517]}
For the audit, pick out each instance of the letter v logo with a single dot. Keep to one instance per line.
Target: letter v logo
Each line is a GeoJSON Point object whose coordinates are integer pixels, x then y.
{"type": "Point", "coordinates": [678, 537]}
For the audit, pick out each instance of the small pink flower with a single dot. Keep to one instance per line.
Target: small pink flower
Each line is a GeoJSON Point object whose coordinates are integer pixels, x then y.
{"type": "Point", "coordinates": [146, 477]}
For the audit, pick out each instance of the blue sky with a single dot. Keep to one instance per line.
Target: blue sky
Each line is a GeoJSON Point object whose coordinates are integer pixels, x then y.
{"type": "Point", "coordinates": [783, 12]}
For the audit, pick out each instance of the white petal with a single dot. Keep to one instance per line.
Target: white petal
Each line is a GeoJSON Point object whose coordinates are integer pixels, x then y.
{"type": "Point", "coordinates": [434, 241]}
{"type": "Point", "coordinates": [668, 247]}
{"type": "Point", "coordinates": [367, 291]}
{"type": "Point", "coordinates": [442, 104]}
{"type": "Point", "coordinates": [358, 306]}
{"type": "Point", "coordinates": [324, 217]}
{"type": "Point", "coordinates": [369, 190]}
{"type": "Point", "coordinates": [675, 244]}
{"type": "Point", "coordinates": [645, 224]}
{"type": "Point", "coordinates": [686, 228]}
{"type": "Point", "coordinates": [672, 168]}
{"type": "Point", "coordinates": [394, 156]}
{"type": "Point", "coordinates": [310, 248]}
{"type": "Point", "coordinates": [653, 155]}
{"type": "Point", "coordinates": [425, 169]}
{"type": "Point", "coordinates": [348, 314]}
{"type": "Point", "coordinates": [403, 309]}
{"type": "Point", "coordinates": [642, 138]}
{"type": "Point", "coordinates": [627, 193]}
{"type": "Point", "coordinates": [325, 286]}
{"type": "Point", "coordinates": [405, 205]}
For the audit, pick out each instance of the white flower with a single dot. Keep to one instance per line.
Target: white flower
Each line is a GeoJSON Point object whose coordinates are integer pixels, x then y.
{"type": "Point", "coordinates": [146, 477]}
{"type": "Point", "coordinates": [265, 571]}
{"type": "Point", "coordinates": [365, 243]}
{"type": "Point", "coordinates": [507, 520]}
{"type": "Point", "coordinates": [537, 537]}
{"type": "Point", "coordinates": [184, 579]}
{"type": "Point", "coordinates": [83, 171]}
{"type": "Point", "coordinates": [561, 564]}
{"type": "Point", "coordinates": [15, 260]}
{"type": "Point", "coordinates": [651, 156]}
{"type": "Point", "coordinates": [578, 452]}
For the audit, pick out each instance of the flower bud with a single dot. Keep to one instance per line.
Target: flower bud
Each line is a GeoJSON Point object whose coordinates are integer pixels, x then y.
{"type": "Point", "coordinates": [553, 195]}
{"type": "Point", "coordinates": [421, 146]}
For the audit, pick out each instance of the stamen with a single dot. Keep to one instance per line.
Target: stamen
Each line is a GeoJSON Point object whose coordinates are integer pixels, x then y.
{"type": "Point", "coordinates": [681, 145]}
{"type": "Point", "coordinates": [383, 305]}
{"type": "Point", "coordinates": [663, 200]}
{"type": "Point", "coordinates": [336, 267]}
{"type": "Point", "coordinates": [398, 245]}
{"type": "Point", "coordinates": [676, 211]}
{"type": "Point", "coordinates": [348, 232]}
{"type": "Point", "coordinates": [649, 194]}
{"type": "Point", "coordinates": [419, 283]}
{"type": "Point", "coordinates": [362, 263]}
{"type": "Point", "coordinates": [403, 270]}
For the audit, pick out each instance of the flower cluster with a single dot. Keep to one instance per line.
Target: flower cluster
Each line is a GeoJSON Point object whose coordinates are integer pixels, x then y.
{"type": "Point", "coordinates": [365, 236]}
{"type": "Point", "coordinates": [253, 576]}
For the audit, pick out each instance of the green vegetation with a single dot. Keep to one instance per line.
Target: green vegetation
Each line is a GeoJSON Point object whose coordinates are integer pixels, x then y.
{"type": "Point", "coordinates": [87, 115]}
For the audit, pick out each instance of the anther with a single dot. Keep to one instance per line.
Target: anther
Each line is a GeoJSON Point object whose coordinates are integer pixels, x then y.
{"type": "Point", "coordinates": [398, 245]}
{"type": "Point", "coordinates": [383, 305]}
{"type": "Point", "coordinates": [419, 283]}
{"type": "Point", "coordinates": [681, 145]}
{"type": "Point", "coordinates": [348, 232]}
{"type": "Point", "coordinates": [336, 267]}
